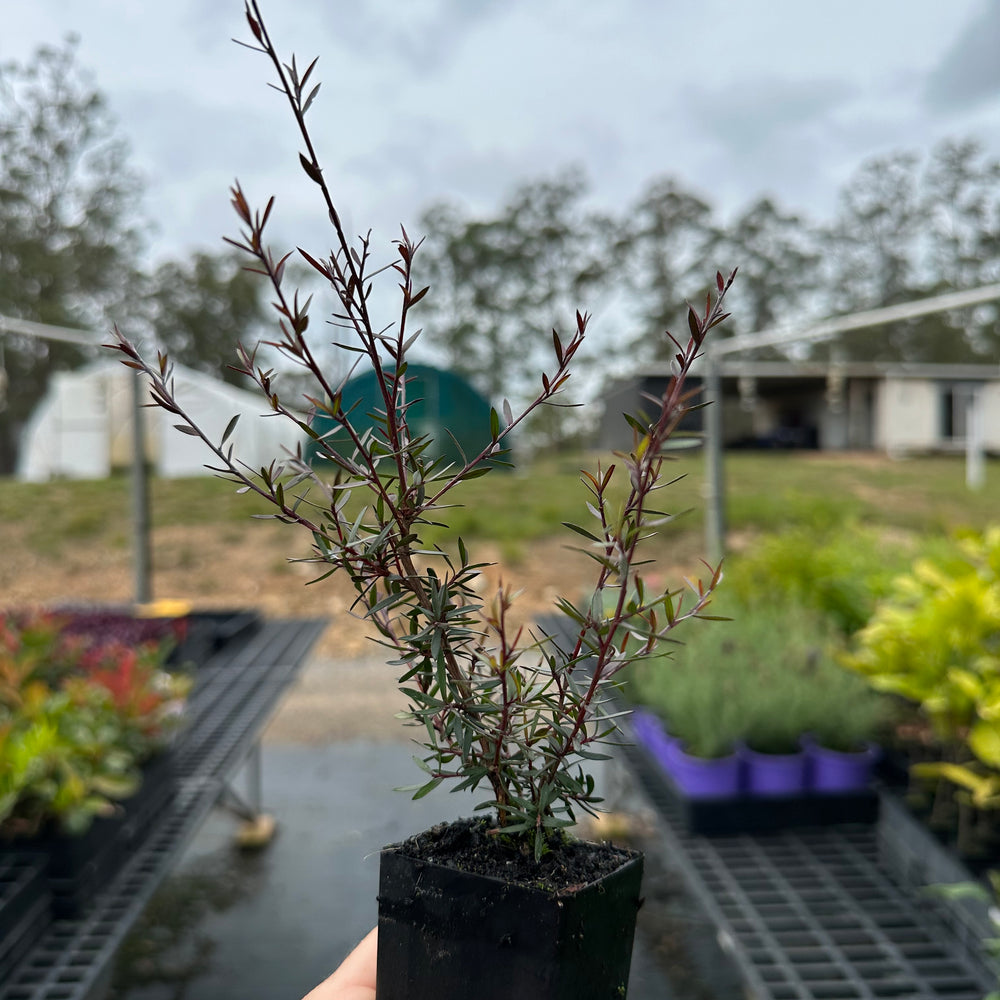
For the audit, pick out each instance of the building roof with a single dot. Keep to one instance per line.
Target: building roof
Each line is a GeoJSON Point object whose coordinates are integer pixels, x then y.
{"type": "Point", "coordinates": [820, 369]}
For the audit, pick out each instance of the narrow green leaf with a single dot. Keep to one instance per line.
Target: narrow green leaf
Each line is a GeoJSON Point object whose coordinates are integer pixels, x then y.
{"type": "Point", "coordinates": [230, 427]}
{"type": "Point", "coordinates": [428, 788]}
{"type": "Point", "coordinates": [582, 531]}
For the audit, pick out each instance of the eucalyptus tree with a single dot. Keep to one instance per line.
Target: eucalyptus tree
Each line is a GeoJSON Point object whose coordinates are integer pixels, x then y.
{"type": "Point", "coordinates": [502, 281]}
{"type": "Point", "coordinates": [961, 192]}
{"type": "Point", "coordinates": [873, 249]}
{"type": "Point", "coordinates": [203, 304]}
{"type": "Point", "coordinates": [780, 258]}
{"type": "Point", "coordinates": [667, 234]}
{"type": "Point", "coordinates": [71, 228]}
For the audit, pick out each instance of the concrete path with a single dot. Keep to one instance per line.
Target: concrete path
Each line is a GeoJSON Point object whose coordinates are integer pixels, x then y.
{"type": "Point", "coordinates": [270, 925]}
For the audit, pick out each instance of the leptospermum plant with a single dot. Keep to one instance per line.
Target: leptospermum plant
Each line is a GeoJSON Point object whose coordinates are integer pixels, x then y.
{"type": "Point", "coordinates": [518, 714]}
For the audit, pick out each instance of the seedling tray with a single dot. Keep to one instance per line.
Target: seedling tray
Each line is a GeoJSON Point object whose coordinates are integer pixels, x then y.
{"type": "Point", "coordinates": [18, 941]}
{"type": "Point", "coordinates": [715, 817]}
{"type": "Point", "coordinates": [819, 913]}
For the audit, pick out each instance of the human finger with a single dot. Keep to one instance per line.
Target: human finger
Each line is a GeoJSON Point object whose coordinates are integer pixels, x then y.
{"type": "Point", "coordinates": [355, 979]}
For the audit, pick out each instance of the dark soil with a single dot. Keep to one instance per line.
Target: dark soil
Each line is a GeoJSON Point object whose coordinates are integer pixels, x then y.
{"type": "Point", "coordinates": [467, 845]}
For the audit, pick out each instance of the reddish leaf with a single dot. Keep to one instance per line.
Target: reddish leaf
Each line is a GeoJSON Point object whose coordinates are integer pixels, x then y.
{"type": "Point", "coordinates": [254, 27]}
{"type": "Point", "coordinates": [416, 298]}
{"type": "Point", "coordinates": [267, 212]}
{"type": "Point", "coordinates": [311, 169]}
{"type": "Point", "coordinates": [693, 324]}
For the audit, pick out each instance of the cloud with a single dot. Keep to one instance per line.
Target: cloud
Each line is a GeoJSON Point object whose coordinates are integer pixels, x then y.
{"type": "Point", "coordinates": [425, 35]}
{"type": "Point", "coordinates": [969, 73]}
{"type": "Point", "coordinates": [181, 133]}
{"type": "Point", "coordinates": [755, 113]}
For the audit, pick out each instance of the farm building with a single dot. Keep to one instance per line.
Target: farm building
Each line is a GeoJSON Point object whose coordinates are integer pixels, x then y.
{"type": "Point", "coordinates": [894, 408]}
{"type": "Point", "coordinates": [82, 428]}
{"type": "Point", "coordinates": [442, 405]}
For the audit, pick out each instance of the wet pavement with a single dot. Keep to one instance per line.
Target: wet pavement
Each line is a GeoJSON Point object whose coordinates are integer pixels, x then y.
{"type": "Point", "coordinates": [273, 923]}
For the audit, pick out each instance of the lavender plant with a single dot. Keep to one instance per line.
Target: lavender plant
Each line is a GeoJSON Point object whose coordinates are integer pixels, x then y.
{"type": "Point", "coordinates": [520, 714]}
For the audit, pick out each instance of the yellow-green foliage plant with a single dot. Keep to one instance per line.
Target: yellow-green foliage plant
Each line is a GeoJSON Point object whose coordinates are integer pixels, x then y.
{"type": "Point", "coordinates": [936, 642]}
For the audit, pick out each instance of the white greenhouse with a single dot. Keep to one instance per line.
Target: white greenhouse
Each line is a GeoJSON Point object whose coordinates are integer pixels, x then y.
{"type": "Point", "coordinates": [82, 428]}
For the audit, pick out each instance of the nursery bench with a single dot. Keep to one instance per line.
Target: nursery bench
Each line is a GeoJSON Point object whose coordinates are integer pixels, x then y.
{"type": "Point", "coordinates": [834, 912]}
{"type": "Point", "coordinates": [235, 692]}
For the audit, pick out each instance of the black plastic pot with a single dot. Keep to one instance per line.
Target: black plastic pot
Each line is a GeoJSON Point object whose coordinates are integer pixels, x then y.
{"type": "Point", "coordinates": [446, 934]}
{"type": "Point", "coordinates": [77, 867]}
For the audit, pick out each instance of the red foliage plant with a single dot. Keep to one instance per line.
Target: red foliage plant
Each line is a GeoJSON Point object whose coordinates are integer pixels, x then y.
{"type": "Point", "coordinates": [519, 715]}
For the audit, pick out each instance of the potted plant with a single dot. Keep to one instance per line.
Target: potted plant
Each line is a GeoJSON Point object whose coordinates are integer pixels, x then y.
{"type": "Point", "coordinates": [648, 728]}
{"type": "Point", "coordinates": [81, 725]}
{"type": "Point", "coordinates": [783, 693]}
{"type": "Point", "coordinates": [766, 683]}
{"type": "Point", "coordinates": [842, 743]}
{"type": "Point", "coordinates": [702, 713]}
{"type": "Point", "coordinates": [508, 905]}
{"type": "Point", "coordinates": [933, 642]}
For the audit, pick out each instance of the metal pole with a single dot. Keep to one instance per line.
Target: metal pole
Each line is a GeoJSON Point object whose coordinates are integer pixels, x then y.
{"type": "Point", "coordinates": [715, 485]}
{"type": "Point", "coordinates": [140, 498]}
{"type": "Point", "coordinates": [715, 518]}
{"type": "Point", "coordinates": [255, 780]}
{"type": "Point", "coordinates": [974, 468]}
{"type": "Point", "coordinates": [858, 321]}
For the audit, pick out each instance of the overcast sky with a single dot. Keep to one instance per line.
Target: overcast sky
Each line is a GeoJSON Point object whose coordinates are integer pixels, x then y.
{"type": "Point", "coordinates": [424, 99]}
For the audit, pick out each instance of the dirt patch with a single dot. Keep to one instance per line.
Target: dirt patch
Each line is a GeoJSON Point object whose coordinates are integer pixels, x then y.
{"type": "Point", "coordinates": [346, 691]}
{"type": "Point", "coordinates": [250, 568]}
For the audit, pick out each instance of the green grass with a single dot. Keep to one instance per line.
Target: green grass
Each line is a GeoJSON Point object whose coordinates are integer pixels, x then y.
{"type": "Point", "coordinates": [766, 493]}
{"type": "Point", "coordinates": [770, 493]}
{"type": "Point", "coordinates": [56, 514]}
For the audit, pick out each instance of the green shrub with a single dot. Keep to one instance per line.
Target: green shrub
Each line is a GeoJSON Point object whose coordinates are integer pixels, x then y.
{"type": "Point", "coordinates": [840, 574]}
{"type": "Point", "coordinates": [936, 642]}
{"type": "Point", "coordinates": [765, 677]}
{"type": "Point", "coordinates": [700, 706]}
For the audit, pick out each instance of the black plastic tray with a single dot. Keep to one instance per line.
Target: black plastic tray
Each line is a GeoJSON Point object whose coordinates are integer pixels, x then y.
{"type": "Point", "coordinates": [75, 868]}
{"type": "Point", "coordinates": [25, 905]}
{"type": "Point", "coordinates": [207, 632]}
{"type": "Point", "coordinates": [757, 814]}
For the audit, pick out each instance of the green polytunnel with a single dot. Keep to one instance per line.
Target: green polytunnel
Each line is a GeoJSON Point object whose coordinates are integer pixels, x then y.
{"type": "Point", "coordinates": [443, 406]}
